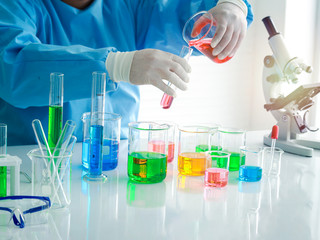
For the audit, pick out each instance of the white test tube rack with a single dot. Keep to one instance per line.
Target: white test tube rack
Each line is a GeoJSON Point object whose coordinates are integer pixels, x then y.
{"type": "Point", "coordinates": [13, 163]}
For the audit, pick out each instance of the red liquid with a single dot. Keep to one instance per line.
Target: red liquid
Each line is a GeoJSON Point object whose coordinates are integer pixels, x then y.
{"type": "Point", "coordinates": [166, 101]}
{"type": "Point", "coordinates": [203, 45]}
{"type": "Point", "coordinates": [159, 147]}
{"type": "Point", "coordinates": [216, 177]}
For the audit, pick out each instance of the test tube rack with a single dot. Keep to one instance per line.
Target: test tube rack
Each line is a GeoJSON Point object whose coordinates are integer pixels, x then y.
{"type": "Point", "coordinates": [13, 163]}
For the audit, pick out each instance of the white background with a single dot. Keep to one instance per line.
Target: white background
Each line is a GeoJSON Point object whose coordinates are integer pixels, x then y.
{"type": "Point", "coordinates": [231, 93]}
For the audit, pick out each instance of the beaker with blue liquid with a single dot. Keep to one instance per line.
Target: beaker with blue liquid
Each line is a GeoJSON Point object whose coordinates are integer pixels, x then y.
{"type": "Point", "coordinates": [111, 140]}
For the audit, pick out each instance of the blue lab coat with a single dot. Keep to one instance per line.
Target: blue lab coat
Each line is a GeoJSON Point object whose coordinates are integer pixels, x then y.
{"type": "Point", "coordinates": [38, 37]}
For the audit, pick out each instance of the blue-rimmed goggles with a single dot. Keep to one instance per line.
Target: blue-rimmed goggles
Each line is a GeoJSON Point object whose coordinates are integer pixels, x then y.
{"type": "Point", "coordinates": [23, 210]}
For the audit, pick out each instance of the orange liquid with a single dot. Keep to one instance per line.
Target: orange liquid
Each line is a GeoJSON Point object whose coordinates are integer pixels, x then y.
{"type": "Point", "coordinates": [192, 164]}
{"type": "Point", "coordinates": [205, 48]}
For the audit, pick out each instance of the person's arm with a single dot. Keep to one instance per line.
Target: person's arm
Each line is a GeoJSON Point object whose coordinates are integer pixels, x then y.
{"type": "Point", "coordinates": [26, 62]}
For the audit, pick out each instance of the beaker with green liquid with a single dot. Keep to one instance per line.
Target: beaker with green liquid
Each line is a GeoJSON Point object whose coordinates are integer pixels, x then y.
{"type": "Point", "coordinates": [147, 165]}
{"type": "Point", "coordinates": [231, 141]}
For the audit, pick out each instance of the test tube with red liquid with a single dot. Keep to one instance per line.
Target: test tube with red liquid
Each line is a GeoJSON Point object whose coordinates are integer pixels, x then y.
{"type": "Point", "coordinates": [166, 99]}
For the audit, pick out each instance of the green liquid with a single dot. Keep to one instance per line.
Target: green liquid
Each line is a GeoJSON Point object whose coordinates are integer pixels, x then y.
{"type": "Point", "coordinates": [147, 167]}
{"type": "Point", "coordinates": [235, 162]}
{"type": "Point", "coordinates": [204, 148]}
{"type": "Point", "coordinates": [3, 181]}
{"type": "Point", "coordinates": [55, 126]}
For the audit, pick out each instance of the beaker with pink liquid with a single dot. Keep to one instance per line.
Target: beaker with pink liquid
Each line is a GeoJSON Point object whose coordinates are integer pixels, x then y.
{"type": "Point", "coordinates": [160, 146]}
{"type": "Point", "coordinates": [198, 32]}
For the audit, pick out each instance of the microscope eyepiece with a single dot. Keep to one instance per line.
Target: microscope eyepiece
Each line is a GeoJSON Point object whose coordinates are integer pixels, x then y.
{"type": "Point", "coordinates": [270, 26]}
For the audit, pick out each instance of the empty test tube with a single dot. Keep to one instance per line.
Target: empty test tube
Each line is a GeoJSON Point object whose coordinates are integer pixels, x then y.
{"type": "Point", "coordinates": [3, 154]}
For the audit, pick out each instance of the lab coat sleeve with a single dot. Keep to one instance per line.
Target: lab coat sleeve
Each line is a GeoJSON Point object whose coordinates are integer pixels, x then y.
{"type": "Point", "coordinates": [26, 63]}
{"type": "Point", "coordinates": [160, 25]}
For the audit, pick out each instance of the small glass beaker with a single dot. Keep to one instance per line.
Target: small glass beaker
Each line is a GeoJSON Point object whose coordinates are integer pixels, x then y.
{"type": "Point", "coordinates": [51, 177]}
{"type": "Point", "coordinates": [146, 165]}
{"type": "Point", "coordinates": [155, 145]}
{"type": "Point", "coordinates": [111, 140]}
{"type": "Point", "coordinates": [231, 140]}
{"type": "Point", "coordinates": [198, 31]}
{"type": "Point", "coordinates": [251, 171]}
{"type": "Point", "coordinates": [193, 140]}
{"type": "Point", "coordinates": [217, 176]}
{"type": "Point", "coordinates": [272, 161]}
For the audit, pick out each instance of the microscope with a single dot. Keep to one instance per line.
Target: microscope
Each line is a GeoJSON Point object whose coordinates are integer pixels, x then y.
{"type": "Point", "coordinates": [280, 74]}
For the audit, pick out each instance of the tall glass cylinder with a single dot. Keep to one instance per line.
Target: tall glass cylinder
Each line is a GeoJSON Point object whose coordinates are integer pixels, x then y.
{"type": "Point", "coordinates": [96, 127]}
{"type": "Point", "coordinates": [147, 165]}
{"type": "Point", "coordinates": [3, 153]}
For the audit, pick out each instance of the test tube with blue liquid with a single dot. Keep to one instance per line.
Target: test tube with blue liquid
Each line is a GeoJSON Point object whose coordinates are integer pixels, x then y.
{"type": "Point", "coordinates": [55, 109]}
{"type": "Point", "coordinates": [3, 154]}
{"type": "Point", "coordinates": [96, 128]}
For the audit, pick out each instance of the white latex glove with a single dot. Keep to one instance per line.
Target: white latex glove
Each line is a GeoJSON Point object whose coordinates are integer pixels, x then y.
{"type": "Point", "coordinates": [149, 67]}
{"type": "Point", "coordinates": [231, 27]}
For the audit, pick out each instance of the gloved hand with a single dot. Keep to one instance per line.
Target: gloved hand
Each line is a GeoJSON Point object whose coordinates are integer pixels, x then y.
{"type": "Point", "coordinates": [149, 66]}
{"type": "Point", "coordinates": [231, 26]}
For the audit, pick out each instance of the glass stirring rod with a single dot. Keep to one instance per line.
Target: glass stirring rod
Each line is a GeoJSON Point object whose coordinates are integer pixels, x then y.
{"type": "Point", "coordinates": [167, 100]}
{"type": "Point", "coordinates": [55, 109]}
{"type": "Point", "coordinates": [274, 137]}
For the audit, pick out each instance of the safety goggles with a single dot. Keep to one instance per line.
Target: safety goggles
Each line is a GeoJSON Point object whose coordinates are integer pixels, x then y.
{"type": "Point", "coordinates": [23, 210]}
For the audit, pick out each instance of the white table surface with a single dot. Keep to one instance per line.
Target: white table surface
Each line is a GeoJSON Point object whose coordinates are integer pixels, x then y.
{"type": "Point", "coordinates": [181, 207]}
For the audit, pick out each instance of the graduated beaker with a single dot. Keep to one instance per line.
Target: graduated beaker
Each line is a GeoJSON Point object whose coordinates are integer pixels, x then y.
{"type": "Point", "coordinates": [111, 140]}
{"type": "Point", "coordinates": [215, 176]}
{"type": "Point", "coordinates": [51, 177]}
{"type": "Point", "coordinates": [191, 161]}
{"type": "Point", "coordinates": [198, 32]}
{"type": "Point", "coordinates": [231, 141]}
{"type": "Point", "coordinates": [147, 165]}
{"type": "Point", "coordinates": [251, 171]}
{"type": "Point", "coordinates": [155, 145]}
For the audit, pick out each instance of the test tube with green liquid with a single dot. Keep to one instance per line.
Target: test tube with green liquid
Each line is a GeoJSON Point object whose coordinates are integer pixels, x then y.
{"type": "Point", "coordinates": [55, 109]}
{"type": "Point", "coordinates": [3, 154]}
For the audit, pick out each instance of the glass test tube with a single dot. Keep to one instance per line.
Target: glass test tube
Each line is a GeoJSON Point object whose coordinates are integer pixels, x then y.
{"type": "Point", "coordinates": [3, 153]}
{"type": "Point", "coordinates": [167, 100]}
{"type": "Point", "coordinates": [55, 109]}
{"type": "Point", "coordinates": [96, 127]}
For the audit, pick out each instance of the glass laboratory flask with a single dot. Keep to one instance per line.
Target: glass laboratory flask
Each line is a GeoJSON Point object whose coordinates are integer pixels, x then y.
{"type": "Point", "coordinates": [145, 164]}
{"type": "Point", "coordinates": [198, 32]}
{"type": "Point", "coordinates": [194, 140]}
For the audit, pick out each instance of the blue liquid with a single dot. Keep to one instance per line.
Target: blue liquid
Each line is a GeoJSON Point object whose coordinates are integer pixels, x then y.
{"type": "Point", "coordinates": [95, 154]}
{"type": "Point", "coordinates": [250, 173]}
{"type": "Point", "coordinates": [110, 151]}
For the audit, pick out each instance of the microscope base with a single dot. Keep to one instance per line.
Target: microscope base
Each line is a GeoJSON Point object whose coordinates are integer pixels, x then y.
{"type": "Point", "coordinates": [293, 146]}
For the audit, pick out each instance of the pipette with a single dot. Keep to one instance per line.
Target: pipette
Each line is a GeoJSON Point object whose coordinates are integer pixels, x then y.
{"type": "Point", "coordinates": [274, 137]}
{"type": "Point", "coordinates": [55, 109]}
{"type": "Point", "coordinates": [167, 100]}
{"type": "Point", "coordinates": [3, 154]}
{"type": "Point", "coordinates": [96, 126]}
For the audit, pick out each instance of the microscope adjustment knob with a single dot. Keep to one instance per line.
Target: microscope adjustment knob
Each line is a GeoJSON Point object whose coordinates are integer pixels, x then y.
{"type": "Point", "coordinates": [268, 61]}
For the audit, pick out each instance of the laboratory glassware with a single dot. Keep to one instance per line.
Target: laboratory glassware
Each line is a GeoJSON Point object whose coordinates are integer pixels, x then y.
{"type": "Point", "coordinates": [96, 128]}
{"type": "Point", "coordinates": [55, 109]}
{"type": "Point", "coordinates": [251, 171]}
{"type": "Point", "coordinates": [147, 166]}
{"type": "Point", "coordinates": [3, 154]}
{"type": "Point", "coordinates": [51, 178]}
{"type": "Point", "coordinates": [166, 99]}
{"type": "Point", "coordinates": [111, 140]}
{"type": "Point", "coordinates": [198, 32]}
{"type": "Point", "coordinates": [190, 161]}
{"type": "Point", "coordinates": [24, 210]}
{"type": "Point", "coordinates": [214, 176]}
{"type": "Point", "coordinates": [155, 145]}
{"type": "Point", "coordinates": [272, 168]}
{"type": "Point", "coordinates": [231, 140]}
